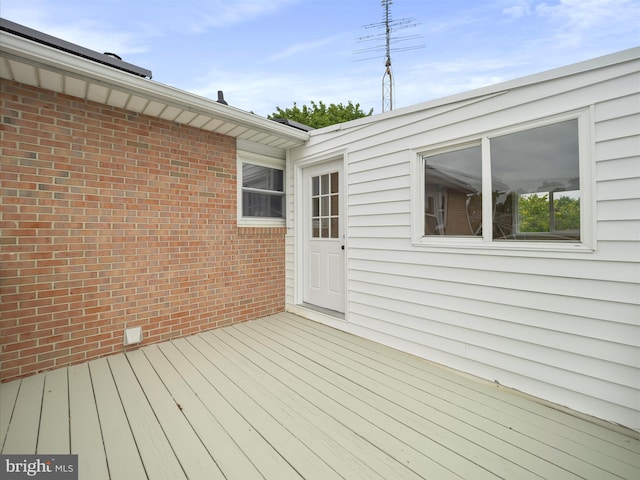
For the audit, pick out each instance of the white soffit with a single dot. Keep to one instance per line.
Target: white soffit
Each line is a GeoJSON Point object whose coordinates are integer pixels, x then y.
{"type": "Point", "coordinates": [73, 86]}
{"type": "Point", "coordinates": [118, 99]}
{"type": "Point", "coordinates": [25, 61]}
{"type": "Point", "coordinates": [98, 93]}
{"type": "Point", "coordinates": [52, 81]}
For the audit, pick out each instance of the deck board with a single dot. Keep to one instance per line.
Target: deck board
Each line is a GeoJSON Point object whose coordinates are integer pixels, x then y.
{"type": "Point", "coordinates": [356, 415]}
{"type": "Point", "coordinates": [321, 432]}
{"type": "Point", "coordinates": [375, 410]}
{"type": "Point", "coordinates": [8, 395]}
{"type": "Point", "coordinates": [22, 434]}
{"type": "Point", "coordinates": [561, 431]}
{"type": "Point", "coordinates": [85, 428]}
{"type": "Point", "coordinates": [258, 451]}
{"type": "Point", "coordinates": [155, 451]}
{"type": "Point", "coordinates": [287, 398]}
{"type": "Point", "coordinates": [525, 446]}
{"type": "Point", "coordinates": [230, 458]}
{"type": "Point", "coordinates": [266, 415]}
{"type": "Point", "coordinates": [122, 454]}
{"type": "Point", "coordinates": [452, 435]}
{"type": "Point", "coordinates": [460, 383]}
{"type": "Point", "coordinates": [192, 454]}
{"type": "Point", "coordinates": [53, 433]}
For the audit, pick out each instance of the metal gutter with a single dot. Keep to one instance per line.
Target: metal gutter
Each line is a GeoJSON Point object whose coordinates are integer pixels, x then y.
{"type": "Point", "coordinates": [44, 56]}
{"type": "Point", "coordinates": [59, 44]}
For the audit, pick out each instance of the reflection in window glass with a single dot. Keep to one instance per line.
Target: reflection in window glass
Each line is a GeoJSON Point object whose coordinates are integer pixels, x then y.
{"type": "Point", "coordinates": [453, 193]}
{"type": "Point", "coordinates": [536, 186]}
{"type": "Point", "coordinates": [262, 191]}
{"type": "Point", "coordinates": [262, 205]}
{"type": "Point", "coordinates": [263, 178]}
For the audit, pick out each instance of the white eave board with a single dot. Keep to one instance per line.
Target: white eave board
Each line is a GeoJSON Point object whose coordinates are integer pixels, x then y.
{"type": "Point", "coordinates": [28, 62]}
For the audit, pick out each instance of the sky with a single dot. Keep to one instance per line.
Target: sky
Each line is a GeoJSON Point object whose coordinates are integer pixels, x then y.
{"type": "Point", "coordinates": [271, 53]}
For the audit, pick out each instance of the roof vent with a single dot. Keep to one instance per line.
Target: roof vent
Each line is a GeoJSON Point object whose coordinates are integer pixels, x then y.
{"type": "Point", "coordinates": [113, 55]}
{"type": "Point", "coordinates": [221, 98]}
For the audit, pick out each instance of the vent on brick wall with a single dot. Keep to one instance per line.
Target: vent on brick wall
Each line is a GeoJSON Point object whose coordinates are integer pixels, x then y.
{"type": "Point", "coordinates": [133, 336]}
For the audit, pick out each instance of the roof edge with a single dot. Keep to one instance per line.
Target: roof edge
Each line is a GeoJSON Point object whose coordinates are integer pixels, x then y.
{"type": "Point", "coordinates": [59, 44]}
{"type": "Point", "coordinates": [623, 56]}
{"type": "Point", "coordinates": [45, 56]}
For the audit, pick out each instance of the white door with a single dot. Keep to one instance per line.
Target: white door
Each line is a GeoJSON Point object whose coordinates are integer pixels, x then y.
{"type": "Point", "coordinates": [323, 221]}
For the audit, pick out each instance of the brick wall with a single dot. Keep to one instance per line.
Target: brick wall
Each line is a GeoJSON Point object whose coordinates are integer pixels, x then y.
{"type": "Point", "coordinates": [112, 219]}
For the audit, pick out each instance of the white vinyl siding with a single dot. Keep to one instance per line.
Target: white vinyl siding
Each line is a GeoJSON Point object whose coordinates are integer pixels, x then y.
{"type": "Point", "coordinates": [558, 323]}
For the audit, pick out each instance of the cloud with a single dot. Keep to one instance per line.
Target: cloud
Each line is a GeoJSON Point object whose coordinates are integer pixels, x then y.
{"type": "Point", "coordinates": [581, 13]}
{"type": "Point", "coordinates": [521, 8]}
{"type": "Point", "coordinates": [197, 17]}
{"type": "Point", "coordinates": [261, 91]}
{"type": "Point", "coordinates": [302, 48]}
{"type": "Point", "coordinates": [576, 20]}
{"type": "Point", "coordinates": [129, 25]}
{"type": "Point", "coordinates": [458, 22]}
{"type": "Point", "coordinates": [92, 34]}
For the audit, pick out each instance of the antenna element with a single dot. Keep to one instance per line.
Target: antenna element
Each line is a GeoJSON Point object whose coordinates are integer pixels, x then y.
{"type": "Point", "coordinates": [389, 26]}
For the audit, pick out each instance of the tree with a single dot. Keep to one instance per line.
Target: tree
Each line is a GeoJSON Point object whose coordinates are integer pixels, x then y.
{"type": "Point", "coordinates": [567, 213]}
{"type": "Point", "coordinates": [320, 115]}
{"type": "Point", "coordinates": [534, 213]}
{"type": "Point", "coordinates": [535, 216]}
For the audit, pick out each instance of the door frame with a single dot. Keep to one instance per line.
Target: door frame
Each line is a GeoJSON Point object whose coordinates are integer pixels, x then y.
{"type": "Point", "coordinates": [298, 221]}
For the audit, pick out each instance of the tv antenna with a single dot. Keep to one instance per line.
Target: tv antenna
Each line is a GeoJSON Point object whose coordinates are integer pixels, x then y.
{"type": "Point", "coordinates": [389, 25]}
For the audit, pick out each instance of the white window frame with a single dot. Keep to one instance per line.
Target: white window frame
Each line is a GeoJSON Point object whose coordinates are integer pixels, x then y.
{"type": "Point", "coordinates": [264, 161]}
{"type": "Point", "coordinates": [587, 242]}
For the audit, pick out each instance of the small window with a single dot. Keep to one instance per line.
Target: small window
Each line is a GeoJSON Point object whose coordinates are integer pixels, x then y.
{"type": "Point", "coordinates": [262, 191]}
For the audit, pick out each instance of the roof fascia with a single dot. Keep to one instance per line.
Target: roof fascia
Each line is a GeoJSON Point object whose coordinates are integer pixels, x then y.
{"type": "Point", "coordinates": [492, 90]}
{"type": "Point", "coordinates": [36, 36]}
{"type": "Point", "coordinates": [22, 49]}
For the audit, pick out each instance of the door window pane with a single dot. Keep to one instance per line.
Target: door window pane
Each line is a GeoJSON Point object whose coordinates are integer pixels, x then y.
{"type": "Point", "coordinates": [334, 182]}
{"type": "Point", "coordinates": [324, 183]}
{"type": "Point", "coordinates": [334, 227]}
{"type": "Point", "coordinates": [325, 198]}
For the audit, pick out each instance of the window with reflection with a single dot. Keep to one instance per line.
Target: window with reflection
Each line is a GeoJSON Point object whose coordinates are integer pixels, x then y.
{"type": "Point", "coordinates": [533, 194]}
{"type": "Point", "coordinates": [262, 191]}
{"type": "Point", "coordinates": [453, 193]}
{"type": "Point", "coordinates": [536, 184]}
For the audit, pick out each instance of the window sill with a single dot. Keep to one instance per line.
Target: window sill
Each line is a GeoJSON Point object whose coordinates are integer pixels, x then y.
{"type": "Point", "coordinates": [479, 246]}
{"type": "Point", "coordinates": [261, 222]}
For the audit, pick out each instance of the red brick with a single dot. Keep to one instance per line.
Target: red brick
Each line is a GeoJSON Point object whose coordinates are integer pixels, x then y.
{"type": "Point", "coordinates": [112, 232]}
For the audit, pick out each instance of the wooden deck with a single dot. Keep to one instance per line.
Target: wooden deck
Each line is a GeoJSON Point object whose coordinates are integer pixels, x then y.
{"type": "Point", "coordinates": [283, 397]}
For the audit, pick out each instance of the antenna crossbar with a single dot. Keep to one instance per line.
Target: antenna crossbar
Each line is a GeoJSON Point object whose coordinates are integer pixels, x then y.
{"type": "Point", "coordinates": [389, 25]}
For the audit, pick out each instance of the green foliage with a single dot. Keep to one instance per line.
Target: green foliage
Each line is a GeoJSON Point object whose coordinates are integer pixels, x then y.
{"type": "Point", "coordinates": [534, 213]}
{"type": "Point", "coordinates": [567, 213]}
{"type": "Point", "coordinates": [320, 115]}
{"type": "Point", "coordinates": [535, 217]}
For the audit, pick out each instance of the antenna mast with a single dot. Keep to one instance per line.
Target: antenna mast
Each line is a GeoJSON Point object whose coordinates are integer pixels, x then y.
{"type": "Point", "coordinates": [389, 26]}
{"type": "Point", "coordinates": [387, 78]}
